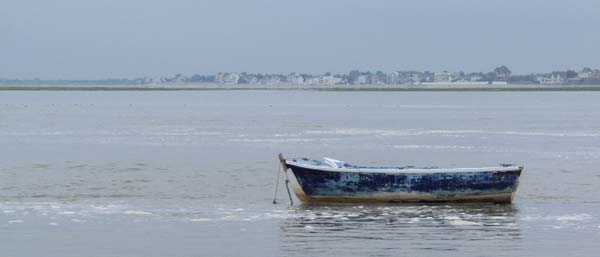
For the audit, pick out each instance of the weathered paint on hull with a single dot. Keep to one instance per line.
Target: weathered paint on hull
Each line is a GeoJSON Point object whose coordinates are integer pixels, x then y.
{"type": "Point", "coordinates": [313, 186]}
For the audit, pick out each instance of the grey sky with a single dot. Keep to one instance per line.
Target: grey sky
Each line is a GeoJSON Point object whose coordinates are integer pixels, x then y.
{"type": "Point", "coordinates": [129, 38]}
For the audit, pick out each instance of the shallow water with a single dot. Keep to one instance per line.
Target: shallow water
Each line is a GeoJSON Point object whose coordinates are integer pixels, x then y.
{"type": "Point", "coordinates": [192, 173]}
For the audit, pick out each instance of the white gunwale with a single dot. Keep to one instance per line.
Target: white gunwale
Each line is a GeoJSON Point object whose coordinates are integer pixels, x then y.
{"type": "Point", "coordinates": [406, 170]}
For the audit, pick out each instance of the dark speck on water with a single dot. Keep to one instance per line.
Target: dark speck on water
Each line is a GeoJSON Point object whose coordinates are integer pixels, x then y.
{"type": "Point", "coordinates": [192, 173]}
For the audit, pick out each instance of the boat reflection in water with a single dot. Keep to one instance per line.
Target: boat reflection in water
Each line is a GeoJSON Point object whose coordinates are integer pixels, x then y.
{"type": "Point", "coordinates": [383, 230]}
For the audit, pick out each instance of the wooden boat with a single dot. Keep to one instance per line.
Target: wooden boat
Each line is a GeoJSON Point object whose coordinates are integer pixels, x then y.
{"type": "Point", "coordinates": [336, 181]}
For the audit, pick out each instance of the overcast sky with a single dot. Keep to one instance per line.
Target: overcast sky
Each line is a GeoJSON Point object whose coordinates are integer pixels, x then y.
{"type": "Point", "coordinates": [77, 39]}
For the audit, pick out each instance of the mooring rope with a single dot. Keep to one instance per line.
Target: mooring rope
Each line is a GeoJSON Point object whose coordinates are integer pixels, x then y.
{"type": "Point", "coordinates": [277, 184]}
{"type": "Point", "coordinates": [287, 181]}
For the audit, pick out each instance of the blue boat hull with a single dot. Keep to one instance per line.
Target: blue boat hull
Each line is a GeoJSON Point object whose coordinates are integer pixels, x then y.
{"type": "Point", "coordinates": [315, 185]}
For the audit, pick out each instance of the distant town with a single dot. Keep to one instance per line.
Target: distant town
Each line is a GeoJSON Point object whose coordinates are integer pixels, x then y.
{"type": "Point", "coordinates": [501, 75]}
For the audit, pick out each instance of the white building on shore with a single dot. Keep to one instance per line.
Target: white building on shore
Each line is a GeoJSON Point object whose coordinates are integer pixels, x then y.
{"type": "Point", "coordinates": [227, 78]}
{"type": "Point", "coordinates": [443, 76]}
{"type": "Point", "coordinates": [554, 79]}
{"type": "Point", "coordinates": [295, 79]}
{"type": "Point", "coordinates": [323, 80]}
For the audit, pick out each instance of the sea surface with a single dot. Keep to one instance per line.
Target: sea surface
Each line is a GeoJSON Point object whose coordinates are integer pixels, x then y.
{"type": "Point", "coordinates": [193, 173]}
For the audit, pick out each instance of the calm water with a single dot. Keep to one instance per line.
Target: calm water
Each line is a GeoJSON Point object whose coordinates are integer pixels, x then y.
{"type": "Point", "coordinates": [193, 173]}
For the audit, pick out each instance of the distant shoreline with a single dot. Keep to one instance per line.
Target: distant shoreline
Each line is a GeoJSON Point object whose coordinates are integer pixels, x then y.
{"type": "Point", "coordinates": [338, 88]}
